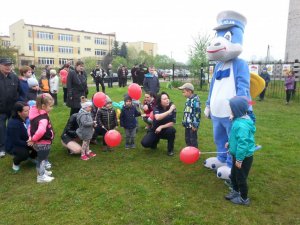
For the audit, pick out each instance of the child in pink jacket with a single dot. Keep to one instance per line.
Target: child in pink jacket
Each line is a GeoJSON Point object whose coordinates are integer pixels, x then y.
{"type": "Point", "coordinates": [41, 134]}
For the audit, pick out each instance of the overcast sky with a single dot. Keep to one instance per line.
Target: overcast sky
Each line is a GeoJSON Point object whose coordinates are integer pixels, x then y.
{"type": "Point", "coordinates": [171, 24]}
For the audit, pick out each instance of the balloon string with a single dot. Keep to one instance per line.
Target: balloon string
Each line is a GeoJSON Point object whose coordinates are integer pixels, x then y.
{"type": "Point", "coordinates": [211, 152]}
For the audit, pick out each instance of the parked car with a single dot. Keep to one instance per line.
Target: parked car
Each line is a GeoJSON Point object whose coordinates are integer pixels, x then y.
{"type": "Point", "coordinates": [115, 78]}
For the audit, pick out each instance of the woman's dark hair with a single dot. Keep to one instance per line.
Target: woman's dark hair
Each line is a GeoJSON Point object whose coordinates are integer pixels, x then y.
{"type": "Point", "coordinates": [18, 107]}
{"type": "Point", "coordinates": [158, 98]}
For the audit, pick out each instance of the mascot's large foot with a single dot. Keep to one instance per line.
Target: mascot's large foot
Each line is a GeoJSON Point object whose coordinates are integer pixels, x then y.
{"type": "Point", "coordinates": [213, 163]}
{"type": "Point", "coordinates": [224, 172]}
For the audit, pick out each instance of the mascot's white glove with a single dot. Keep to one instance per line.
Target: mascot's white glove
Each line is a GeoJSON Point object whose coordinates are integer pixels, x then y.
{"type": "Point", "coordinates": [207, 111]}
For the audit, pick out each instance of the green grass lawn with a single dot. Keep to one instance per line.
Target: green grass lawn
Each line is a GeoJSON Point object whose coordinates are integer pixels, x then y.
{"type": "Point", "coordinates": [144, 186]}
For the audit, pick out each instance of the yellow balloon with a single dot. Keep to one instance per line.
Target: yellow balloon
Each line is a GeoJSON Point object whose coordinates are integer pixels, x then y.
{"type": "Point", "coordinates": [257, 85]}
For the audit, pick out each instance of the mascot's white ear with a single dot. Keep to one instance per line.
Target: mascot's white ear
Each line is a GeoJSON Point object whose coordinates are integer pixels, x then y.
{"type": "Point", "coordinates": [224, 172]}
{"type": "Point", "coordinates": [213, 163]}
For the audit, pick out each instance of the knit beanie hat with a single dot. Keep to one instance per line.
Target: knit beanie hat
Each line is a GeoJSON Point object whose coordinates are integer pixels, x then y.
{"type": "Point", "coordinates": [108, 100]}
{"type": "Point", "coordinates": [32, 82]}
{"type": "Point", "coordinates": [85, 102]}
{"type": "Point", "coordinates": [239, 106]}
{"type": "Point", "coordinates": [126, 98]}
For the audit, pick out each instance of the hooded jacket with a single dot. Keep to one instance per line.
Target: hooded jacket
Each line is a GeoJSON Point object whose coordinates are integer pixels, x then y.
{"type": "Point", "coordinates": [85, 122]}
{"type": "Point", "coordinates": [241, 138]}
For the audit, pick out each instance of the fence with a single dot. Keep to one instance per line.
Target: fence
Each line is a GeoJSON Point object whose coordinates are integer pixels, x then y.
{"type": "Point", "coordinates": [276, 88]}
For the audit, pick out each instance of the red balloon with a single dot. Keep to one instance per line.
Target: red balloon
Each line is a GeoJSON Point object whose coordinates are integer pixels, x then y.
{"type": "Point", "coordinates": [189, 155]}
{"type": "Point", "coordinates": [63, 73]}
{"type": "Point", "coordinates": [112, 138]}
{"type": "Point", "coordinates": [135, 91]}
{"type": "Point", "coordinates": [151, 116]}
{"type": "Point", "coordinates": [99, 99]}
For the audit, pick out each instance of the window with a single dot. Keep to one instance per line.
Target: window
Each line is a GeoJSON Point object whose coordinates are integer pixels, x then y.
{"type": "Point", "coordinates": [65, 37]}
{"type": "Point", "coordinates": [30, 47]}
{"type": "Point", "coordinates": [45, 35]}
{"type": "Point", "coordinates": [46, 61]}
{"type": "Point", "coordinates": [78, 39]}
{"type": "Point", "coordinates": [5, 43]}
{"type": "Point", "coordinates": [63, 61]}
{"type": "Point", "coordinates": [29, 33]}
{"type": "Point", "coordinates": [87, 49]}
{"type": "Point", "coordinates": [100, 41]}
{"type": "Point", "coordinates": [87, 37]}
{"type": "Point", "coordinates": [65, 49]}
{"type": "Point", "coordinates": [100, 52]}
{"type": "Point", "coordinates": [78, 51]}
{"type": "Point", "coordinates": [45, 48]}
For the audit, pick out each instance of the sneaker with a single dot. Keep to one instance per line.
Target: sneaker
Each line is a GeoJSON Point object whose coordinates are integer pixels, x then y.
{"type": "Point", "coordinates": [2, 154]}
{"type": "Point", "coordinates": [127, 147]}
{"type": "Point", "coordinates": [233, 194]}
{"type": "Point", "coordinates": [132, 146]}
{"type": "Point", "coordinates": [171, 153]}
{"type": "Point", "coordinates": [15, 168]}
{"type": "Point", "coordinates": [48, 165]}
{"type": "Point", "coordinates": [48, 172]}
{"type": "Point", "coordinates": [92, 154]}
{"type": "Point", "coordinates": [240, 201]}
{"type": "Point", "coordinates": [44, 179]}
{"type": "Point", "coordinates": [84, 157]}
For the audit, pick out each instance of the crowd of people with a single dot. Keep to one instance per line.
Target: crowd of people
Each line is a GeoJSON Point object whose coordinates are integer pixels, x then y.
{"type": "Point", "coordinates": [26, 131]}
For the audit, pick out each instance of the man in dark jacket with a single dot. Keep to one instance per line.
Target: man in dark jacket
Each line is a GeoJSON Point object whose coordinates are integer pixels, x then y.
{"type": "Point", "coordinates": [98, 75]}
{"type": "Point", "coordinates": [9, 93]}
{"type": "Point", "coordinates": [265, 75]}
{"type": "Point", "coordinates": [151, 82]}
{"type": "Point", "coordinates": [142, 70]}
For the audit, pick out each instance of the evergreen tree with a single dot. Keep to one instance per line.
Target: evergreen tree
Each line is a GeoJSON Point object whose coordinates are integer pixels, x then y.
{"type": "Point", "coordinates": [123, 51]}
{"type": "Point", "coordinates": [115, 50]}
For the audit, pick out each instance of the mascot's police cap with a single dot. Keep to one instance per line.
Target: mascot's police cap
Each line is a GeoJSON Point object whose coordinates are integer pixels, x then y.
{"type": "Point", "coordinates": [229, 18]}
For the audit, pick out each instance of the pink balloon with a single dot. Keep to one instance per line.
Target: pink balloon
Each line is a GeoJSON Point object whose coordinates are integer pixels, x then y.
{"type": "Point", "coordinates": [189, 155]}
{"type": "Point", "coordinates": [99, 99]}
{"type": "Point", "coordinates": [151, 116]}
{"type": "Point", "coordinates": [135, 91]}
{"type": "Point", "coordinates": [112, 138]}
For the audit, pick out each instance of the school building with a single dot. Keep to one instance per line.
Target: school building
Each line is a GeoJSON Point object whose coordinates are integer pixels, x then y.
{"type": "Point", "coordinates": [46, 45]}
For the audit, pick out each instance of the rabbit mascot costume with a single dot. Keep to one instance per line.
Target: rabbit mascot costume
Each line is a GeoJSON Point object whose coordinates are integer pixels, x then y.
{"type": "Point", "coordinates": [231, 78]}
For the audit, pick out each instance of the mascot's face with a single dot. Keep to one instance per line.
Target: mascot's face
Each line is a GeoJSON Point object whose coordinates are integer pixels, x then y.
{"type": "Point", "coordinates": [226, 45]}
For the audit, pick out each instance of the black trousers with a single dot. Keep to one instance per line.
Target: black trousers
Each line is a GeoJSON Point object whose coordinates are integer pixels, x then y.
{"type": "Point", "coordinates": [23, 153]}
{"type": "Point", "coordinates": [288, 95]}
{"type": "Point", "coordinates": [239, 176]}
{"type": "Point", "coordinates": [54, 96]}
{"type": "Point", "coordinates": [262, 94]}
{"type": "Point", "coordinates": [122, 81]}
{"type": "Point", "coordinates": [65, 94]}
{"type": "Point", "coordinates": [101, 82]}
{"type": "Point", "coordinates": [191, 137]}
{"type": "Point", "coordinates": [99, 131]}
{"type": "Point", "coordinates": [151, 139]}
{"type": "Point", "coordinates": [110, 82]}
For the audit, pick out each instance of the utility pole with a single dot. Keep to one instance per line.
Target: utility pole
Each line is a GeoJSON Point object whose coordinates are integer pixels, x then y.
{"type": "Point", "coordinates": [268, 55]}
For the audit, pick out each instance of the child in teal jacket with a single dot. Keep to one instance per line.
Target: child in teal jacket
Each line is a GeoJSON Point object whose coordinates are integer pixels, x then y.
{"type": "Point", "coordinates": [241, 146]}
